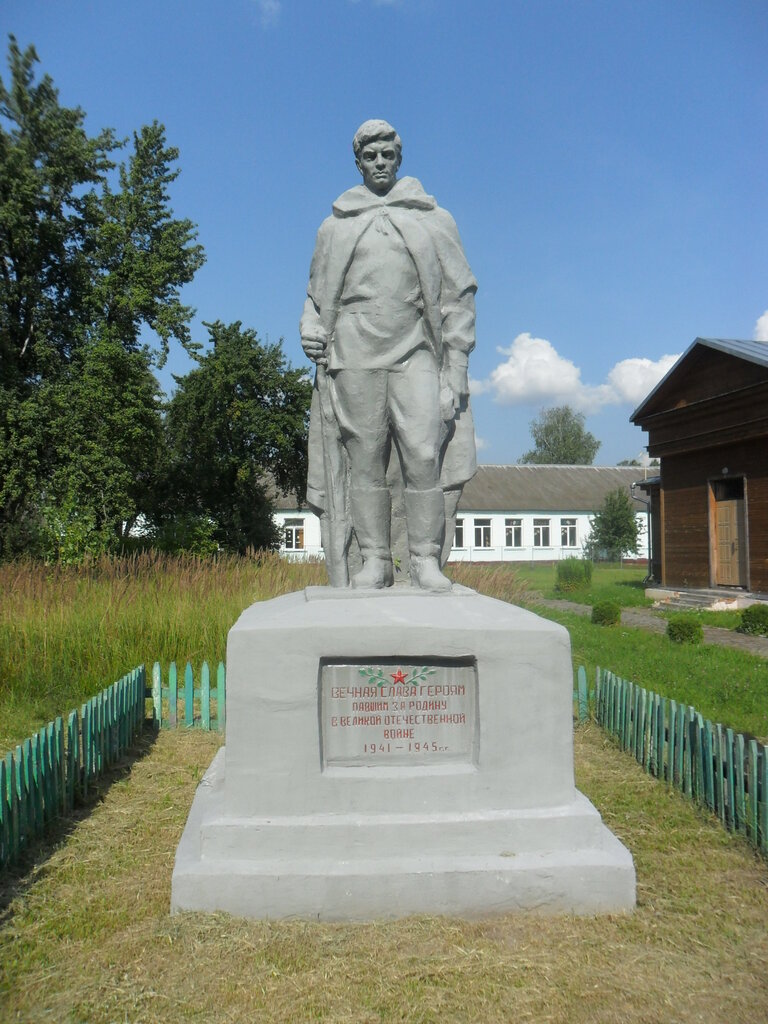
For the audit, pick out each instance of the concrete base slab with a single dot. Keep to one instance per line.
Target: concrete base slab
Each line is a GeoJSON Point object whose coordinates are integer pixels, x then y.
{"type": "Point", "coordinates": [397, 754]}
{"type": "Point", "coordinates": [563, 860]}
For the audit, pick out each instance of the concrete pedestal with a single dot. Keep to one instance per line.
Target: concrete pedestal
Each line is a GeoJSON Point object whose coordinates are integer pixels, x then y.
{"type": "Point", "coordinates": [394, 752]}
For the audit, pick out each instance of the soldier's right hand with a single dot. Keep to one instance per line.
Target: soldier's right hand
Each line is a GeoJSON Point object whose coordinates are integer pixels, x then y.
{"type": "Point", "coordinates": [314, 346]}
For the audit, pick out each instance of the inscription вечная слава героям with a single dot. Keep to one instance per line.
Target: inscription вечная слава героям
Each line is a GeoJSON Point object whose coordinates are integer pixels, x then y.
{"type": "Point", "coordinates": [400, 714]}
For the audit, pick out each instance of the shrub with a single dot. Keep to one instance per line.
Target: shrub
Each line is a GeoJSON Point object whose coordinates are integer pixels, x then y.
{"type": "Point", "coordinates": [682, 629]}
{"type": "Point", "coordinates": [754, 620]}
{"type": "Point", "coordinates": [573, 574]}
{"type": "Point", "coordinates": [606, 613]}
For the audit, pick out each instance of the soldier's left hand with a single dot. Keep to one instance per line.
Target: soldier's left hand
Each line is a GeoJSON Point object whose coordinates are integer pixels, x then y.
{"type": "Point", "coordinates": [458, 381]}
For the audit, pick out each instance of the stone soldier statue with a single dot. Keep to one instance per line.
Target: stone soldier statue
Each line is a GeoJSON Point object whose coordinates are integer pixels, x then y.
{"type": "Point", "coordinates": [390, 321]}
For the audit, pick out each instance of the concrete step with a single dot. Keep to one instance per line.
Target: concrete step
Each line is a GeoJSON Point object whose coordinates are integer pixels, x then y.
{"type": "Point", "coordinates": [688, 603]}
{"type": "Point", "coordinates": [689, 600]}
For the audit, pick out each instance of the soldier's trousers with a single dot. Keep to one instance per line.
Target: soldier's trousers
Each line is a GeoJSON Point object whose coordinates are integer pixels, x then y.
{"type": "Point", "coordinates": [375, 408]}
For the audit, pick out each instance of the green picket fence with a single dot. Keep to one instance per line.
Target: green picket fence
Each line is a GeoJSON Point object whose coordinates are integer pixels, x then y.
{"type": "Point", "coordinates": [726, 772]}
{"type": "Point", "coordinates": [51, 771]}
{"type": "Point", "coordinates": [180, 703]}
{"type": "Point", "coordinates": [47, 775]}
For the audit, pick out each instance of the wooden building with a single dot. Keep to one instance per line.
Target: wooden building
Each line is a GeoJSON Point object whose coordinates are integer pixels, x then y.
{"type": "Point", "coordinates": [707, 422]}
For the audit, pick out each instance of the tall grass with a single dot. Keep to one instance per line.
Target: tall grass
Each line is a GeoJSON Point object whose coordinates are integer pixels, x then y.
{"type": "Point", "coordinates": [67, 631]}
{"type": "Point", "coordinates": [501, 581]}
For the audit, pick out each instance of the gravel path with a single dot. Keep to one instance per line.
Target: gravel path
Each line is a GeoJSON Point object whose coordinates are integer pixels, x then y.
{"type": "Point", "coordinates": [654, 622]}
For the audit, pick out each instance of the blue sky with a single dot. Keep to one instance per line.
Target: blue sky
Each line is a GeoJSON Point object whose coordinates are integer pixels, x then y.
{"type": "Point", "coordinates": [605, 162]}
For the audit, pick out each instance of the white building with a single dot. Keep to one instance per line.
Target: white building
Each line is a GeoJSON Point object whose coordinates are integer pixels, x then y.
{"type": "Point", "coordinates": [509, 513]}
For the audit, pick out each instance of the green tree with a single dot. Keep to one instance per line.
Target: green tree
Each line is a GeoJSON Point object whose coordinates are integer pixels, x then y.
{"type": "Point", "coordinates": [560, 439]}
{"type": "Point", "coordinates": [50, 172]}
{"type": "Point", "coordinates": [237, 427]}
{"type": "Point", "coordinates": [637, 462]}
{"type": "Point", "coordinates": [105, 443]}
{"type": "Point", "coordinates": [142, 255]}
{"type": "Point", "coordinates": [614, 530]}
{"type": "Point", "coordinates": [85, 267]}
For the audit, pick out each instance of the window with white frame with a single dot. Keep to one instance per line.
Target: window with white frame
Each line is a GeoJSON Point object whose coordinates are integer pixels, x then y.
{"type": "Point", "coordinates": [568, 533]}
{"type": "Point", "coordinates": [513, 533]}
{"type": "Point", "coordinates": [294, 535]}
{"type": "Point", "coordinates": [458, 534]}
{"type": "Point", "coordinates": [541, 533]}
{"type": "Point", "coordinates": [482, 533]}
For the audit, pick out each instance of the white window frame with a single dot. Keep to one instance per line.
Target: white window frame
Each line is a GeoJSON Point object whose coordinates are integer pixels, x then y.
{"type": "Point", "coordinates": [458, 534]}
{"type": "Point", "coordinates": [482, 532]}
{"type": "Point", "coordinates": [513, 532]}
{"type": "Point", "coordinates": [569, 531]}
{"type": "Point", "coordinates": [294, 530]}
{"type": "Point", "coordinates": [542, 533]}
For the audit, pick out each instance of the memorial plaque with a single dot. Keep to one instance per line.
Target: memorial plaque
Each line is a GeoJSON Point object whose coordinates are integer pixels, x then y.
{"type": "Point", "coordinates": [390, 712]}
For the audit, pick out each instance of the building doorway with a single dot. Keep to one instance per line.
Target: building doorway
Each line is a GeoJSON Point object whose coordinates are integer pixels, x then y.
{"type": "Point", "coordinates": [729, 534]}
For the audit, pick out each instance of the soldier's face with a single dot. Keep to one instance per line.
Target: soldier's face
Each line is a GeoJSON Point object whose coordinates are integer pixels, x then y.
{"type": "Point", "coordinates": [378, 163]}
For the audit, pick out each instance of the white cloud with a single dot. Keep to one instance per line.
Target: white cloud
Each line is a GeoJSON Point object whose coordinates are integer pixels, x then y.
{"type": "Point", "coordinates": [534, 373]}
{"type": "Point", "coordinates": [270, 11]}
{"type": "Point", "coordinates": [480, 443]}
{"type": "Point", "coordinates": [761, 327]}
{"type": "Point", "coordinates": [632, 379]}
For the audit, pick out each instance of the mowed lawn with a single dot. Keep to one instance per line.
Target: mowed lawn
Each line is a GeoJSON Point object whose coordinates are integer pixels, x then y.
{"type": "Point", "coordinates": [621, 582]}
{"type": "Point", "coordinates": [87, 937]}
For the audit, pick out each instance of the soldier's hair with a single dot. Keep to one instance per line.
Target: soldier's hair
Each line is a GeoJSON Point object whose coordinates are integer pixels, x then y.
{"type": "Point", "coordinates": [372, 131]}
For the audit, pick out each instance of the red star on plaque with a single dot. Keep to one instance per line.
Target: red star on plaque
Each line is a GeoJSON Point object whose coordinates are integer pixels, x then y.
{"type": "Point", "coordinates": [398, 676]}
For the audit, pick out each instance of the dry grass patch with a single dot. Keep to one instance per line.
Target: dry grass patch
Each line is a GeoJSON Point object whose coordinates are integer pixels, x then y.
{"type": "Point", "coordinates": [89, 938]}
{"type": "Point", "coordinates": [502, 581]}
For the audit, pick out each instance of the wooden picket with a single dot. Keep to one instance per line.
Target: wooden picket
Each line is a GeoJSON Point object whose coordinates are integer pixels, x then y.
{"type": "Point", "coordinates": [741, 802]}
{"type": "Point", "coordinates": [189, 697]}
{"type": "Point", "coordinates": [221, 697]}
{"type": "Point", "coordinates": [173, 696]}
{"type": "Point", "coordinates": [581, 696]}
{"type": "Point", "coordinates": [723, 771]}
{"type": "Point", "coordinates": [730, 786]}
{"type": "Point", "coordinates": [753, 814]}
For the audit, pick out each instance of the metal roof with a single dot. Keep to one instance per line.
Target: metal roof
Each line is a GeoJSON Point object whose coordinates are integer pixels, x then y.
{"type": "Point", "coordinates": [522, 488]}
{"type": "Point", "coordinates": [751, 351]}
{"type": "Point", "coordinates": [518, 488]}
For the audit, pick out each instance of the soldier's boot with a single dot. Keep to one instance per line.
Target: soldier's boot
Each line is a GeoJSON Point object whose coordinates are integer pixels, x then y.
{"type": "Point", "coordinates": [370, 511]}
{"type": "Point", "coordinates": [425, 516]}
